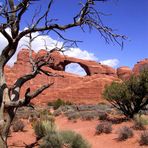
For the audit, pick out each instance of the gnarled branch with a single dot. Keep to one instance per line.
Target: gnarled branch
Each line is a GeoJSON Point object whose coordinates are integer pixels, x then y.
{"type": "Point", "coordinates": [28, 97]}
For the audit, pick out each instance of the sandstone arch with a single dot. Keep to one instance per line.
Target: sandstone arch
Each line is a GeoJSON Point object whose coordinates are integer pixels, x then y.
{"type": "Point", "coordinates": [90, 67]}
{"type": "Point", "coordinates": [75, 68]}
{"type": "Point", "coordinates": [60, 62]}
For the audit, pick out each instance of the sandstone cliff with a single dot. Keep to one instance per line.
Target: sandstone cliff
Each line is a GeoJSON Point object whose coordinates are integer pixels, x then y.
{"type": "Point", "coordinates": [74, 88]}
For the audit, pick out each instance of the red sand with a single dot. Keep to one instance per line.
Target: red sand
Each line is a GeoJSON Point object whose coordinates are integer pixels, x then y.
{"type": "Point", "coordinates": [86, 129]}
{"type": "Point", "coordinates": [21, 139]}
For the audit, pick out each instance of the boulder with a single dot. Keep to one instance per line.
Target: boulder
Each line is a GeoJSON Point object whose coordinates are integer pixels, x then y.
{"type": "Point", "coordinates": [124, 72]}
{"type": "Point", "coordinates": [141, 65]}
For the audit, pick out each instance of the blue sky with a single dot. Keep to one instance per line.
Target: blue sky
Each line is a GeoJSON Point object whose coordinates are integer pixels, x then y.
{"type": "Point", "coordinates": [127, 17]}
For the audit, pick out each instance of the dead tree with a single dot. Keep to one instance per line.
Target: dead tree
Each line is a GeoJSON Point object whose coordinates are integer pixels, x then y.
{"type": "Point", "coordinates": [11, 17]}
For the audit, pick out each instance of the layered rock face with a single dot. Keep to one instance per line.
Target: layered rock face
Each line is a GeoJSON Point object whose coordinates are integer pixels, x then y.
{"type": "Point", "coordinates": [124, 72]}
{"type": "Point", "coordinates": [70, 87]}
{"type": "Point", "coordinates": [141, 65]}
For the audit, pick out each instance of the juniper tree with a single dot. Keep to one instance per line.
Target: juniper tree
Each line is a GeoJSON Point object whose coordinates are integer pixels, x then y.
{"type": "Point", "coordinates": [130, 96]}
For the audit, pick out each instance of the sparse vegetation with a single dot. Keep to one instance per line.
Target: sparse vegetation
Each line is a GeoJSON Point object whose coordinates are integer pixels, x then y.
{"type": "Point", "coordinates": [74, 140]}
{"type": "Point", "coordinates": [104, 127]}
{"type": "Point", "coordinates": [87, 116]}
{"type": "Point", "coordinates": [57, 112]}
{"type": "Point", "coordinates": [43, 127]}
{"type": "Point", "coordinates": [84, 112]}
{"type": "Point", "coordinates": [73, 115]}
{"type": "Point", "coordinates": [144, 138]}
{"type": "Point", "coordinates": [69, 139]}
{"type": "Point", "coordinates": [139, 123]}
{"type": "Point", "coordinates": [130, 96]}
{"type": "Point", "coordinates": [51, 140]}
{"type": "Point", "coordinates": [18, 126]}
{"type": "Point", "coordinates": [102, 115]}
{"type": "Point", "coordinates": [57, 103]}
{"type": "Point", "coordinates": [124, 133]}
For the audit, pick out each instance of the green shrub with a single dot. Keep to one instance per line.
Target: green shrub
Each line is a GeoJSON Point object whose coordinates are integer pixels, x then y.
{"type": "Point", "coordinates": [50, 103]}
{"type": "Point", "coordinates": [125, 133]}
{"type": "Point", "coordinates": [18, 126]}
{"type": "Point", "coordinates": [74, 140]}
{"type": "Point", "coordinates": [144, 138]}
{"type": "Point", "coordinates": [87, 116]}
{"type": "Point", "coordinates": [52, 140]}
{"type": "Point", "coordinates": [139, 123]}
{"type": "Point", "coordinates": [59, 102]}
{"type": "Point", "coordinates": [102, 115]}
{"type": "Point", "coordinates": [104, 127]}
{"type": "Point", "coordinates": [72, 115]}
{"type": "Point", "coordinates": [130, 96]}
{"type": "Point", "coordinates": [44, 114]}
{"type": "Point", "coordinates": [79, 142]}
{"type": "Point", "coordinates": [68, 103]}
{"type": "Point", "coordinates": [42, 128]}
{"type": "Point", "coordinates": [56, 104]}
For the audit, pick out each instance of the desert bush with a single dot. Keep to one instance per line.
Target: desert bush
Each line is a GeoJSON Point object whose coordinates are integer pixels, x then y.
{"type": "Point", "coordinates": [51, 118]}
{"type": "Point", "coordinates": [44, 114]}
{"type": "Point", "coordinates": [74, 140]}
{"type": "Point", "coordinates": [43, 127]}
{"type": "Point", "coordinates": [117, 120]}
{"type": "Point", "coordinates": [104, 107]}
{"type": "Point", "coordinates": [50, 103]}
{"type": "Point", "coordinates": [52, 140]}
{"type": "Point", "coordinates": [18, 126]}
{"type": "Point", "coordinates": [57, 112]}
{"type": "Point", "coordinates": [87, 116]}
{"type": "Point", "coordinates": [73, 115]}
{"type": "Point", "coordinates": [130, 96]}
{"type": "Point", "coordinates": [59, 102]}
{"type": "Point", "coordinates": [144, 138]}
{"type": "Point", "coordinates": [39, 129]}
{"type": "Point", "coordinates": [66, 108]}
{"type": "Point", "coordinates": [102, 115]}
{"type": "Point", "coordinates": [139, 123]}
{"type": "Point", "coordinates": [23, 115]}
{"type": "Point", "coordinates": [32, 118]}
{"type": "Point", "coordinates": [104, 127]}
{"type": "Point", "coordinates": [87, 107]}
{"type": "Point", "coordinates": [125, 133]}
{"type": "Point", "coordinates": [68, 103]}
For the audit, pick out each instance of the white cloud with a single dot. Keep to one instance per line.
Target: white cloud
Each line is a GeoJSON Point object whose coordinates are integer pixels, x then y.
{"type": "Point", "coordinates": [110, 62]}
{"type": "Point", "coordinates": [75, 69]}
{"type": "Point", "coordinates": [39, 43]}
{"type": "Point", "coordinates": [81, 54]}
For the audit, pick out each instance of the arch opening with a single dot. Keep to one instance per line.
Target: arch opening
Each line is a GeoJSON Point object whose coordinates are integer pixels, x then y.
{"type": "Point", "coordinates": [75, 68]}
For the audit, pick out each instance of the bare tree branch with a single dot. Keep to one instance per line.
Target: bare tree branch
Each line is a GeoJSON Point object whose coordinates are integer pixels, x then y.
{"type": "Point", "coordinates": [28, 97]}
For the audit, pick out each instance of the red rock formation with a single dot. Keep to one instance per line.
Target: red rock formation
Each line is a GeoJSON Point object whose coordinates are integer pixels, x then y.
{"type": "Point", "coordinates": [91, 67]}
{"type": "Point", "coordinates": [124, 72]}
{"type": "Point", "coordinates": [141, 65]}
{"type": "Point", "coordinates": [71, 87]}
